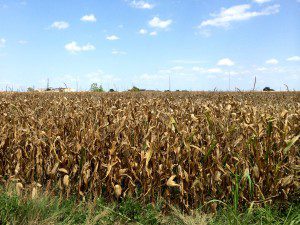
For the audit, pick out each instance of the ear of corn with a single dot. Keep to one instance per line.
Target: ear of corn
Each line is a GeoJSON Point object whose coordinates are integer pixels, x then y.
{"type": "Point", "coordinates": [187, 148]}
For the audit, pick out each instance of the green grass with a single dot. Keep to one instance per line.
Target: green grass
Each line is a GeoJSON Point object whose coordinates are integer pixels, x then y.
{"type": "Point", "coordinates": [52, 210]}
{"type": "Point", "coordinates": [265, 215]}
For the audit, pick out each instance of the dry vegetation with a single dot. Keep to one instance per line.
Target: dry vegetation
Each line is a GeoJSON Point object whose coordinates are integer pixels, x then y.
{"type": "Point", "coordinates": [187, 148]}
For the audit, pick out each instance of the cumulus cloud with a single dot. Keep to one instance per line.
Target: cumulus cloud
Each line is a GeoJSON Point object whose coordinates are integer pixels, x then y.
{"type": "Point", "coordinates": [261, 1]}
{"type": "Point", "coordinates": [294, 58]}
{"type": "Point", "coordinates": [278, 69]}
{"type": "Point", "coordinates": [23, 42]}
{"type": "Point", "coordinates": [73, 47]}
{"type": "Point", "coordinates": [151, 77]}
{"type": "Point", "coordinates": [272, 61]}
{"type": "Point", "coordinates": [2, 42]}
{"type": "Point", "coordinates": [237, 13]}
{"type": "Point", "coordinates": [214, 70]}
{"type": "Point", "coordinates": [101, 77]}
{"type": "Point", "coordinates": [112, 38]}
{"type": "Point", "coordinates": [204, 33]}
{"type": "Point", "coordinates": [177, 68]}
{"type": "Point", "coordinates": [261, 69]}
{"type": "Point", "coordinates": [153, 33]}
{"type": "Point", "coordinates": [60, 25]}
{"type": "Point", "coordinates": [225, 62]}
{"type": "Point", "coordinates": [158, 23]}
{"type": "Point", "coordinates": [180, 70]}
{"type": "Point", "coordinates": [141, 5]}
{"type": "Point", "coordinates": [118, 52]}
{"type": "Point", "coordinates": [89, 18]}
{"type": "Point", "coordinates": [143, 31]}
{"type": "Point", "coordinates": [204, 70]}
{"type": "Point", "coordinates": [185, 61]}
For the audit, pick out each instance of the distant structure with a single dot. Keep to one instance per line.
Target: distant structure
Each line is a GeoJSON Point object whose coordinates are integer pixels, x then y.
{"type": "Point", "coordinates": [49, 89]}
{"type": "Point", "coordinates": [60, 89]}
{"type": "Point", "coordinates": [136, 89]}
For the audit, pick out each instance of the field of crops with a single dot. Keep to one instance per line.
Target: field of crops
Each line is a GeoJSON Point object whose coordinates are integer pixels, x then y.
{"type": "Point", "coordinates": [186, 148]}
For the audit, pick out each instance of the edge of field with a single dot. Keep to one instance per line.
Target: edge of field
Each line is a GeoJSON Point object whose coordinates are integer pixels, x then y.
{"type": "Point", "coordinates": [45, 209]}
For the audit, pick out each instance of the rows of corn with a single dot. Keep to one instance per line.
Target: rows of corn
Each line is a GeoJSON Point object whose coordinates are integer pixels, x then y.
{"type": "Point", "coordinates": [185, 148]}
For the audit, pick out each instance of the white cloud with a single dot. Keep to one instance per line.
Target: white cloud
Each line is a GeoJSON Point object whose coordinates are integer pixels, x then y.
{"type": "Point", "coordinates": [149, 77]}
{"type": "Point", "coordinates": [89, 18]}
{"type": "Point", "coordinates": [204, 70]}
{"type": "Point", "coordinates": [141, 5]}
{"type": "Point", "coordinates": [261, 69]}
{"type": "Point", "coordinates": [101, 77]}
{"type": "Point", "coordinates": [23, 42]}
{"type": "Point", "coordinates": [184, 61]}
{"type": "Point", "coordinates": [225, 62]}
{"type": "Point", "coordinates": [165, 71]}
{"type": "Point", "coordinates": [237, 13]}
{"type": "Point", "coordinates": [60, 25]}
{"type": "Point", "coordinates": [73, 47]}
{"type": "Point", "coordinates": [198, 69]}
{"type": "Point", "coordinates": [192, 72]}
{"type": "Point", "coordinates": [294, 58]}
{"type": "Point", "coordinates": [261, 1]}
{"type": "Point", "coordinates": [118, 52]}
{"type": "Point", "coordinates": [177, 68]}
{"type": "Point", "coordinates": [272, 61]}
{"type": "Point", "coordinates": [153, 33]}
{"type": "Point", "coordinates": [112, 38]}
{"type": "Point", "coordinates": [143, 31]}
{"type": "Point", "coordinates": [158, 23]}
{"type": "Point", "coordinates": [278, 69]}
{"type": "Point", "coordinates": [204, 33]}
{"type": "Point", "coordinates": [214, 70]}
{"type": "Point", "coordinates": [2, 42]}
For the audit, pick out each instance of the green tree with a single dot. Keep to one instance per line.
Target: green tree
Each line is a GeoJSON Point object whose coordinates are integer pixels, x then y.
{"type": "Point", "coordinates": [135, 89]}
{"type": "Point", "coordinates": [96, 88]}
{"type": "Point", "coordinates": [268, 89]}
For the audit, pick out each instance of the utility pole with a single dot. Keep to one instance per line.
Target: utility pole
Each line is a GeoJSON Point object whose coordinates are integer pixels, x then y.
{"type": "Point", "coordinates": [169, 82]}
{"type": "Point", "coordinates": [229, 81]}
{"type": "Point", "coordinates": [254, 85]}
{"type": "Point", "coordinates": [47, 84]}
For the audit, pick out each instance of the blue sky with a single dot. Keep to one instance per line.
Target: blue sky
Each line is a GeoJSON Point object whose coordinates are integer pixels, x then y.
{"type": "Point", "coordinates": [121, 43]}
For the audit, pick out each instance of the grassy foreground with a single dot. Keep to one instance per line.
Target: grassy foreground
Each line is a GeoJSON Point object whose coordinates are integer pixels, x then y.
{"type": "Point", "coordinates": [53, 210]}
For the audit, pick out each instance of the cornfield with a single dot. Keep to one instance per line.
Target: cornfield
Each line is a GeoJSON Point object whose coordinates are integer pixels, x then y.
{"type": "Point", "coordinates": [186, 148]}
